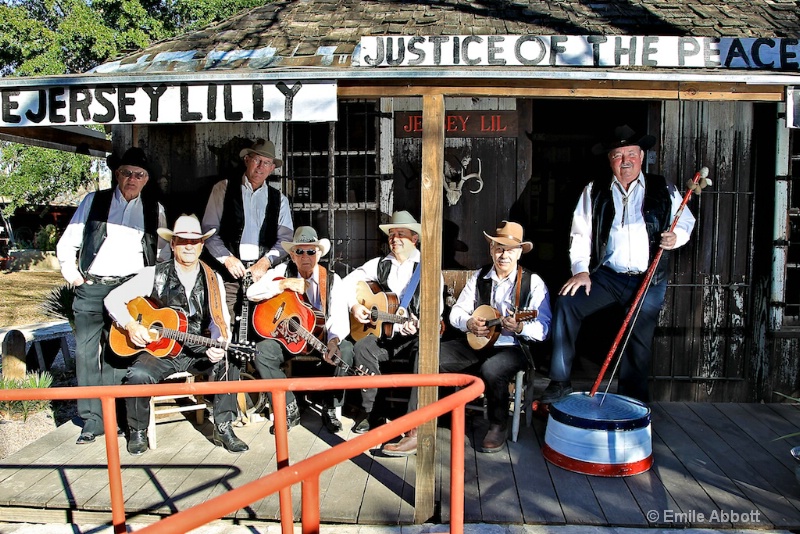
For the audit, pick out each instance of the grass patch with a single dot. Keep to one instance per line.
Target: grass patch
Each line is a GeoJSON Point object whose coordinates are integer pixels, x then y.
{"type": "Point", "coordinates": [22, 295]}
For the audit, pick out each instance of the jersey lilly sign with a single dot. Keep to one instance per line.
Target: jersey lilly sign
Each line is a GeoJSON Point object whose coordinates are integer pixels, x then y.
{"type": "Point", "coordinates": [579, 51]}
{"type": "Point", "coordinates": [168, 103]}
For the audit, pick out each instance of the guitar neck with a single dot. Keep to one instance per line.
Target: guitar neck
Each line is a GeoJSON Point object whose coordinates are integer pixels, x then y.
{"type": "Point", "coordinates": [387, 317]}
{"type": "Point", "coordinates": [245, 312]}
{"type": "Point", "coordinates": [185, 337]}
{"type": "Point", "coordinates": [322, 348]}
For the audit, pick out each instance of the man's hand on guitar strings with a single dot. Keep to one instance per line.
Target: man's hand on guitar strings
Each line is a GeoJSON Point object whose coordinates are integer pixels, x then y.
{"type": "Point", "coordinates": [409, 328]}
{"type": "Point", "coordinates": [510, 323]}
{"type": "Point", "coordinates": [138, 334]}
{"type": "Point", "coordinates": [477, 325]}
{"type": "Point", "coordinates": [361, 313]}
{"type": "Point", "coordinates": [333, 355]}
{"type": "Point", "coordinates": [215, 354]}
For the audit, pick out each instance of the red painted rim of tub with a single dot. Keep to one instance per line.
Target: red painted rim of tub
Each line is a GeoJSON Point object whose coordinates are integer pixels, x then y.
{"type": "Point", "coordinates": [597, 469]}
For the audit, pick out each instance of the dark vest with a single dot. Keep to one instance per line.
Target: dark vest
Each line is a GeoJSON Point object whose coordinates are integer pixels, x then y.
{"type": "Point", "coordinates": [656, 209]}
{"type": "Point", "coordinates": [384, 267]}
{"type": "Point", "coordinates": [169, 292]}
{"type": "Point", "coordinates": [291, 272]}
{"type": "Point", "coordinates": [231, 224]}
{"type": "Point", "coordinates": [95, 229]}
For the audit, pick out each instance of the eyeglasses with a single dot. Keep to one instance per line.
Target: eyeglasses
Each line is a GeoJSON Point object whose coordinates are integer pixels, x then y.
{"type": "Point", "coordinates": [262, 162]}
{"type": "Point", "coordinates": [139, 175]}
{"type": "Point", "coordinates": [309, 251]}
{"type": "Point", "coordinates": [185, 241]}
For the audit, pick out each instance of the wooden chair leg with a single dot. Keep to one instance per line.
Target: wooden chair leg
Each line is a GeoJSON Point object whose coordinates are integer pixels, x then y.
{"type": "Point", "coordinates": [517, 405]}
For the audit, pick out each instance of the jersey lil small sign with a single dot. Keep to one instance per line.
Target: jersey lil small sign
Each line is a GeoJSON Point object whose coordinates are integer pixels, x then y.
{"type": "Point", "coordinates": [460, 124]}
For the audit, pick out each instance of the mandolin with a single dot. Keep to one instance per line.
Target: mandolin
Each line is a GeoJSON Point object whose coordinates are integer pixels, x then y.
{"type": "Point", "coordinates": [170, 327]}
{"type": "Point", "coordinates": [289, 319]}
{"type": "Point", "coordinates": [493, 320]}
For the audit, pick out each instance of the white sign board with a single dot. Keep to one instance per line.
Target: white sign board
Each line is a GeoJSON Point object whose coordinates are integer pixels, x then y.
{"type": "Point", "coordinates": [169, 103]}
{"type": "Point", "coordinates": [793, 107]}
{"type": "Point", "coordinates": [579, 51]}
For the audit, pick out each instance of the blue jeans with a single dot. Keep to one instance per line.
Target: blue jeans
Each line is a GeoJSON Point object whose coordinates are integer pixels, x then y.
{"type": "Point", "coordinates": [609, 288]}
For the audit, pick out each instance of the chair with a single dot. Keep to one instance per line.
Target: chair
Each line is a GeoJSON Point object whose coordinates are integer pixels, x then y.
{"type": "Point", "coordinates": [520, 386]}
{"type": "Point", "coordinates": [197, 403]}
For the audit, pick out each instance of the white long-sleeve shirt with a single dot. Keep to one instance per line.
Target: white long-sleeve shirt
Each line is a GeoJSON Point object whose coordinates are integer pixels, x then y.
{"type": "Point", "coordinates": [337, 324]}
{"type": "Point", "coordinates": [255, 209]}
{"type": "Point", "coordinates": [503, 295]}
{"type": "Point", "coordinates": [121, 253]}
{"type": "Point", "coordinates": [628, 248]}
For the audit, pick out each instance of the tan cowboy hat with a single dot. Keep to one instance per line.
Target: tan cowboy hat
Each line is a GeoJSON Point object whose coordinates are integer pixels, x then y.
{"type": "Point", "coordinates": [188, 227]}
{"type": "Point", "coordinates": [510, 235]}
{"type": "Point", "coordinates": [402, 219]}
{"type": "Point", "coordinates": [306, 235]}
{"type": "Point", "coordinates": [265, 149]}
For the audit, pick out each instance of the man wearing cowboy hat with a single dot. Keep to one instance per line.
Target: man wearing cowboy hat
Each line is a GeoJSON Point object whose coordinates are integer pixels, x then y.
{"type": "Point", "coordinates": [618, 225]}
{"type": "Point", "coordinates": [508, 288]}
{"type": "Point", "coordinates": [306, 277]}
{"type": "Point", "coordinates": [109, 238]}
{"type": "Point", "coordinates": [184, 284]}
{"type": "Point", "coordinates": [393, 273]}
{"type": "Point", "coordinates": [251, 219]}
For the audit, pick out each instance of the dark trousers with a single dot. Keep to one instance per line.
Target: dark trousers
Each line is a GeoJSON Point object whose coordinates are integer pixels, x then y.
{"type": "Point", "coordinates": [150, 370]}
{"type": "Point", "coordinates": [95, 363]}
{"type": "Point", "coordinates": [497, 366]}
{"type": "Point", "coordinates": [271, 354]}
{"type": "Point", "coordinates": [609, 288]}
{"type": "Point", "coordinates": [370, 352]}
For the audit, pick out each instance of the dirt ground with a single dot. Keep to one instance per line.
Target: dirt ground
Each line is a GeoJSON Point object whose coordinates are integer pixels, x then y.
{"type": "Point", "coordinates": [21, 295]}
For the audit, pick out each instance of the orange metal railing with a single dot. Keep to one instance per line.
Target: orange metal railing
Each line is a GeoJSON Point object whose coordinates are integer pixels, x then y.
{"type": "Point", "coordinates": [307, 471]}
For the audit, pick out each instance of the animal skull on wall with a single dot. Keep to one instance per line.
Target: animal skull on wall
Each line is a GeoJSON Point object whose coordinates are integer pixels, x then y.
{"type": "Point", "coordinates": [454, 178]}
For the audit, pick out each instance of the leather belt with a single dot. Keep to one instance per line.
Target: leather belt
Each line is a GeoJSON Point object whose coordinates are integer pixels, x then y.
{"type": "Point", "coordinates": [249, 263]}
{"type": "Point", "coordinates": [107, 280]}
{"type": "Point", "coordinates": [623, 273]}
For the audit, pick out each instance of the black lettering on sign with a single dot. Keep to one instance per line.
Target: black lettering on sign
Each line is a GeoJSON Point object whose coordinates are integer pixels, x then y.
{"type": "Point", "coordinates": [186, 114]}
{"type": "Point", "coordinates": [56, 102]}
{"type": "Point", "coordinates": [556, 48]}
{"type": "Point", "coordinates": [259, 113]}
{"type": "Point", "coordinates": [529, 39]}
{"type": "Point", "coordinates": [401, 51]}
{"type": "Point", "coordinates": [495, 50]}
{"type": "Point", "coordinates": [227, 97]}
{"type": "Point", "coordinates": [155, 94]}
{"type": "Point", "coordinates": [418, 52]}
{"type": "Point", "coordinates": [124, 101]}
{"type": "Point", "coordinates": [687, 47]}
{"type": "Point", "coordinates": [378, 59]}
{"type": "Point", "coordinates": [709, 53]}
{"type": "Point", "coordinates": [596, 41]}
{"type": "Point", "coordinates": [437, 41]}
{"type": "Point", "coordinates": [100, 95]}
{"type": "Point", "coordinates": [38, 116]}
{"type": "Point", "coordinates": [211, 104]}
{"type": "Point", "coordinates": [787, 55]}
{"type": "Point", "coordinates": [80, 98]}
{"type": "Point", "coordinates": [755, 52]}
{"type": "Point", "coordinates": [736, 50]}
{"type": "Point", "coordinates": [649, 49]}
{"type": "Point", "coordinates": [9, 106]}
{"type": "Point", "coordinates": [289, 93]}
{"type": "Point", "coordinates": [620, 51]}
{"type": "Point", "coordinates": [465, 49]}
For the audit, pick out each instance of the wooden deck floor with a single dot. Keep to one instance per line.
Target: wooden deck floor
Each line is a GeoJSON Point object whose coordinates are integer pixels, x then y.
{"type": "Point", "coordinates": [716, 465]}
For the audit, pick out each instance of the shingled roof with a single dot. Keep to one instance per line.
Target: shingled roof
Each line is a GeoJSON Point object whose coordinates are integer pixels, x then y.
{"type": "Point", "coordinates": [320, 33]}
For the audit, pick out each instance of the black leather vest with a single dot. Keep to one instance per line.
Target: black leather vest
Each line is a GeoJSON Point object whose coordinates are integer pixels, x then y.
{"type": "Point", "coordinates": [483, 287]}
{"type": "Point", "coordinates": [656, 210]}
{"type": "Point", "coordinates": [231, 224]}
{"type": "Point", "coordinates": [384, 267]}
{"type": "Point", "coordinates": [169, 292]}
{"type": "Point", "coordinates": [95, 229]}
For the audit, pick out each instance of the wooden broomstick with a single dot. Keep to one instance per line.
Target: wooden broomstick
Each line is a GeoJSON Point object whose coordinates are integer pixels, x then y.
{"type": "Point", "coordinates": [695, 185]}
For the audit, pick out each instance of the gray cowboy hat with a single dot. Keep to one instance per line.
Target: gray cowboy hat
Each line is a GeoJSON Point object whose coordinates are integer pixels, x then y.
{"type": "Point", "coordinates": [306, 235]}
{"type": "Point", "coordinates": [265, 149]}
{"type": "Point", "coordinates": [623, 136]}
{"type": "Point", "coordinates": [402, 219]}
{"type": "Point", "coordinates": [188, 227]}
{"type": "Point", "coordinates": [510, 235]}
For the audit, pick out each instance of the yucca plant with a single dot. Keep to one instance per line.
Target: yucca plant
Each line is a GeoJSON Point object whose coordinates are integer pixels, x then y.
{"type": "Point", "coordinates": [15, 409]}
{"type": "Point", "coordinates": [58, 303]}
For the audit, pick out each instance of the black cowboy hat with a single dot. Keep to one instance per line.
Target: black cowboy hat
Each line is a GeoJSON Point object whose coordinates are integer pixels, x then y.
{"type": "Point", "coordinates": [134, 156]}
{"type": "Point", "coordinates": [623, 136]}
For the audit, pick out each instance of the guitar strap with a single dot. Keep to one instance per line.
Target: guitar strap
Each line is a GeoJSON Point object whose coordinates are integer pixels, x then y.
{"type": "Point", "coordinates": [323, 290]}
{"type": "Point", "coordinates": [215, 300]}
{"type": "Point", "coordinates": [519, 288]}
{"type": "Point", "coordinates": [411, 288]}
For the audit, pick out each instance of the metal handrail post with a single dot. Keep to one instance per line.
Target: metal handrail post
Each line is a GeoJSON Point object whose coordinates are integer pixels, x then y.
{"type": "Point", "coordinates": [279, 421]}
{"type": "Point", "coordinates": [109, 404]}
{"type": "Point", "coordinates": [310, 511]}
{"type": "Point", "coordinates": [457, 429]}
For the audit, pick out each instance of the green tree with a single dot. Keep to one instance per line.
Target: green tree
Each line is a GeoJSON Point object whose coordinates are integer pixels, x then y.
{"type": "Point", "coordinates": [54, 37]}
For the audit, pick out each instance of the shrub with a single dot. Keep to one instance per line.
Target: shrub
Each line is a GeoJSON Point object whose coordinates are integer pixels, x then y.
{"type": "Point", "coordinates": [17, 409]}
{"type": "Point", "coordinates": [47, 237]}
{"type": "Point", "coordinates": [58, 303]}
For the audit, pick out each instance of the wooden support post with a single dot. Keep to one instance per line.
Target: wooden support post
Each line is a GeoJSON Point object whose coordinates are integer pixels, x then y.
{"type": "Point", "coordinates": [14, 355]}
{"type": "Point", "coordinates": [430, 294]}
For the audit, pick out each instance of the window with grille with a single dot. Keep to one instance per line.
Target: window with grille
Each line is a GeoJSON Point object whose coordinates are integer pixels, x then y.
{"type": "Point", "coordinates": [333, 181]}
{"type": "Point", "coordinates": [792, 294]}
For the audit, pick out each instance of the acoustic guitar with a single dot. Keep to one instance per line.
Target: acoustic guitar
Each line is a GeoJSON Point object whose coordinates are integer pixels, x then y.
{"type": "Point", "coordinates": [170, 327]}
{"type": "Point", "coordinates": [290, 320]}
{"type": "Point", "coordinates": [384, 311]}
{"type": "Point", "coordinates": [493, 320]}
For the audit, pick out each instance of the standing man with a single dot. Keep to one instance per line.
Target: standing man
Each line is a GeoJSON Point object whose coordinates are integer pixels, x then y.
{"type": "Point", "coordinates": [111, 236]}
{"type": "Point", "coordinates": [618, 225]}
{"type": "Point", "coordinates": [250, 218]}
{"type": "Point", "coordinates": [508, 288]}
{"type": "Point", "coordinates": [393, 273]}
{"type": "Point", "coordinates": [191, 287]}
{"type": "Point", "coordinates": [314, 284]}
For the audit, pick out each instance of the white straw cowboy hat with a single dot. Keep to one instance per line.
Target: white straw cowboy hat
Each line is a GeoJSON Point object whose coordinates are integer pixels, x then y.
{"type": "Point", "coordinates": [265, 149]}
{"type": "Point", "coordinates": [402, 219]}
{"type": "Point", "coordinates": [510, 235]}
{"type": "Point", "coordinates": [306, 235]}
{"type": "Point", "coordinates": [187, 227]}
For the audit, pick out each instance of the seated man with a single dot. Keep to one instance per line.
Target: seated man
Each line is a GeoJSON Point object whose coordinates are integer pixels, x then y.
{"type": "Point", "coordinates": [180, 284]}
{"type": "Point", "coordinates": [314, 284]}
{"type": "Point", "coordinates": [393, 273]}
{"type": "Point", "coordinates": [510, 290]}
